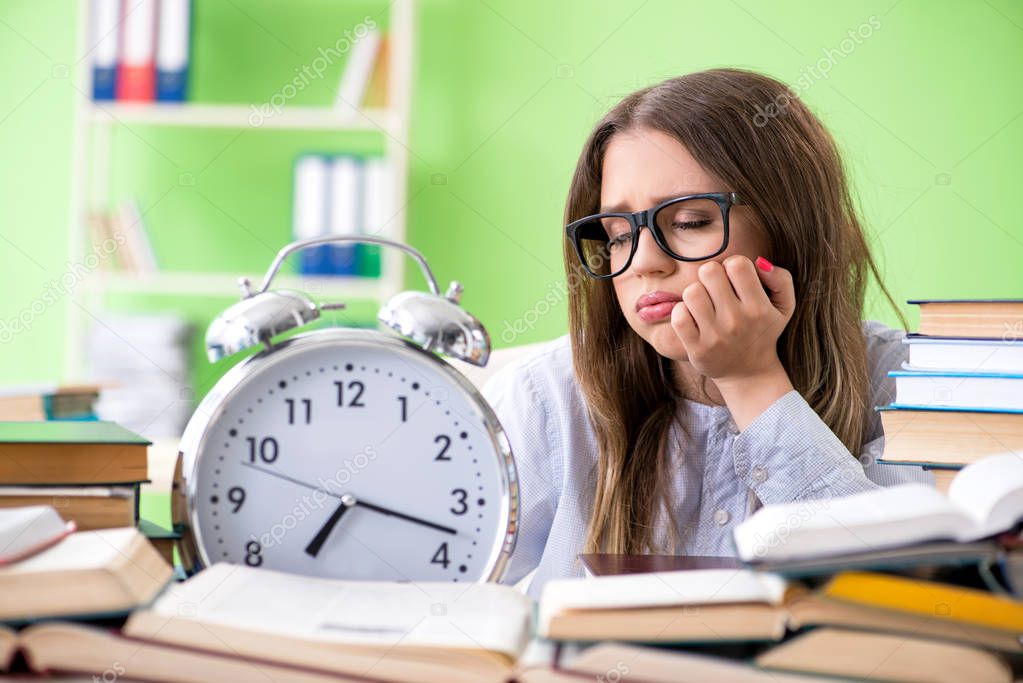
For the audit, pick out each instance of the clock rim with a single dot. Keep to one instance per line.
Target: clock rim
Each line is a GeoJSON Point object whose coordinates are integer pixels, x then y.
{"type": "Point", "coordinates": [211, 408]}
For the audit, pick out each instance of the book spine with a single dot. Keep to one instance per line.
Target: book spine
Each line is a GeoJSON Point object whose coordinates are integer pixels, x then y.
{"type": "Point", "coordinates": [136, 72]}
{"type": "Point", "coordinates": [104, 18]}
{"type": "Point", "coordinates": [345, 212]}
{"type": "Point", "coordinates": [379, 211]}
{"type": "Point", "coordinates": [309, 211]}
{"type": "Point", "coordinates": [172, 50]}
{"type": "Point", "coordinates": [358, 69]}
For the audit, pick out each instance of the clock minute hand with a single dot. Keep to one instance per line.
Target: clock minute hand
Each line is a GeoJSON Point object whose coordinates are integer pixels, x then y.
{"type": "Point", "coordinates": [402, 515]}
{"type": "Point", "coordinates": [313, 549]}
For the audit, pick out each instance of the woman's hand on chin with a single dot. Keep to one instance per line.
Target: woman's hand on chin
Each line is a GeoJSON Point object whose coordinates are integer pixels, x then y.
{"type": "Point", "coordinates": [729, 322]}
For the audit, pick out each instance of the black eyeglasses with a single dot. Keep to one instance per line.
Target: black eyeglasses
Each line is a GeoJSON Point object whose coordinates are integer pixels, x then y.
{"type": "Point", "coordinates": [690, 228]}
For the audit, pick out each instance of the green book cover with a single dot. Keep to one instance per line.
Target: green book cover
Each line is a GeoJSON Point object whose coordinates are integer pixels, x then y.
{"type": "Point", "coordinates": [69, 432]}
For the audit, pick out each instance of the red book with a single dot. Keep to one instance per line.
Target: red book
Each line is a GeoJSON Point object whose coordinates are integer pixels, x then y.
{"type": "Point", "coordinates": [136, 70]}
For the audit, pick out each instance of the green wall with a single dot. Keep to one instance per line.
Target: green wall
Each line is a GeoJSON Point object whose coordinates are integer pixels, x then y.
{"type": "Point", "coordinates": [928, 110]}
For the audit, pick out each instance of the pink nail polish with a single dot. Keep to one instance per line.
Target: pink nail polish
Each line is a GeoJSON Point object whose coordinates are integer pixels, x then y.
{"type": "Point", "coordinates": [764, 265]}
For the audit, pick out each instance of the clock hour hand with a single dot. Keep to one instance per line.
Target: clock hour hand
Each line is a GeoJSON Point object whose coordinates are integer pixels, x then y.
{"type": "Point", "coordinates": [402, 515]}
{"type": "Point", "coordinates": [313, 549]}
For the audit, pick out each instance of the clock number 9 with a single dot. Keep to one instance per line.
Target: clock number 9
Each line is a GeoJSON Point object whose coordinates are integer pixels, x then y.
{"type": "Point", "coordinates": [237, 496]}
{"type": "Point", "coordinates": [267, 449]}
{"type": "Point", "coordinates": [252, 554]}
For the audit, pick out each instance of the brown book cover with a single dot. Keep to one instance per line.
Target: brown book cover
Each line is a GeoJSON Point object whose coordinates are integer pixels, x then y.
{"type": "Point", "coordinates": [604, 564]}
{"type": "Point", "coordinates": [72, 452]}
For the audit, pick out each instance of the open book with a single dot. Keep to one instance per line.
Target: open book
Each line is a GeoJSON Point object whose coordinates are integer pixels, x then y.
{"type": "Point", "coordinates": [430, 631]}
{"type": "Point", "coordinates": [985, 498]}
{"type": "Point", "coordinates": [25, 531]}
{"type": "Point", "coordinates": [87, 574]}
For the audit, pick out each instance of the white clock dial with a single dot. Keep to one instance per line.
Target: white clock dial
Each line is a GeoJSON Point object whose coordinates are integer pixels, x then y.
{"type": "Point", "coordinates": [349, 454]}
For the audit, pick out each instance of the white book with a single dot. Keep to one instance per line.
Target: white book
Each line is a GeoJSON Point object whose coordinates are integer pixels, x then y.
{"type": "Point", "coordinates": [968, 355]}
{"type": "Point", "coordinates": [358, 70]}
{"type": "Point", "coordinates": [172, 49]}
{"type": "Point", "coordinates": [379, 196]}
{"type": "Point", "coordinates": [104, 15]}
{"type": "Point", "coordinates": [959, 390]}
{"type": "Point", "coordinates": [138, 41]}
{"type": "Point", "coordinates": [984, 498]}
{"type": "Point", "coordinates": [345, 213]}
{"type": "Point", "coordinates": [310, 197]}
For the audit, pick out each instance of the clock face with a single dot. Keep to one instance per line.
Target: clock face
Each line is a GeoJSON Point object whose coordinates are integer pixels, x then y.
{"type": "Point", "coordinates": [347, 454]}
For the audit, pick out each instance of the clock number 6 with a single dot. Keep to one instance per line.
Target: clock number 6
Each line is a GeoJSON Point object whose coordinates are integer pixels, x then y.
{"type": "Point", "coordinates": [355, 386]}
{"type": "Point", "coordinates": [267, 449]}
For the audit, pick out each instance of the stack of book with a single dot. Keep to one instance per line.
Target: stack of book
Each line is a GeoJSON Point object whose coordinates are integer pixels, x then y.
{"type": "Point", "coordinates": [66, 402]}
{"type": "Point", "coordinates": [342, 195]}
{"type": "Point", "coordinates": [140, 49]}
{"type": "Point", "coordinates": [89, 471]}
{"type": "Point", "coordinates": [960, 397]}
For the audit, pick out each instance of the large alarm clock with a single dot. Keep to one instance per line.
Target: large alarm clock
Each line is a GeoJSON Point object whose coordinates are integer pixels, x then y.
{"type": "Point", "coordinates": [349, 453]}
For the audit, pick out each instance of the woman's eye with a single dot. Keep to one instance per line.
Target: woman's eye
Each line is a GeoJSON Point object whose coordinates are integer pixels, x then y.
{"type": "Point", "coordinates": [619, 241]}
{"type": "Point", "coordinates": [690, 224]}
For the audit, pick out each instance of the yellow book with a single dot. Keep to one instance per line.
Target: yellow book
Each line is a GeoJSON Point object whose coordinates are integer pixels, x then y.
{"type": "Point", "coordinates": [927, 598]}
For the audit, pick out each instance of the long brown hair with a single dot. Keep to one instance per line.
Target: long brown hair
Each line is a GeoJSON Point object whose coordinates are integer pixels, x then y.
{"type": "Point", "coordinates": [761, 141]}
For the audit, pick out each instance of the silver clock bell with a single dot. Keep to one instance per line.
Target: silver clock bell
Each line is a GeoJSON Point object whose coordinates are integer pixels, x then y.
{"type": "Point", "coordinates": [431, 320]}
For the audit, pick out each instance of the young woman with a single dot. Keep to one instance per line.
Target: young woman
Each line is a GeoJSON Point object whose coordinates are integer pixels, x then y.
{"type": "Point", "coordinates": [716, 358]}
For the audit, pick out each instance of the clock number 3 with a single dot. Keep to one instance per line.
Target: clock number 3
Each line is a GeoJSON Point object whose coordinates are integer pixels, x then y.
{"type": "Point", "coordinates": [354, 386]}
{"type": "Point", "coordinates": [463, 506]}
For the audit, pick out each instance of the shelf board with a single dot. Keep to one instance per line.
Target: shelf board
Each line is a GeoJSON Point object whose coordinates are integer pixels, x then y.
{"type": "Point", "coordinates": [242, 116]}
{"type": "Point", "coordinates": [320, 288]}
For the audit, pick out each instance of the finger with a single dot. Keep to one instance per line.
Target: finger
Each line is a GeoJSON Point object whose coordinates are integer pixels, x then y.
{"type": "Point", "coordinates": [745, 282]}
{"type": "Point", "coordinates": [684, 325]}
{"type": "Point", "coordinates": [715, 279]}
{"type": "Point", "coordinates": [698, 302]}
{"type": "Point", "coordinates": [779, 285]}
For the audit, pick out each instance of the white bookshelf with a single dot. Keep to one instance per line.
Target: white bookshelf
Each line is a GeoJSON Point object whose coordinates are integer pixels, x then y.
{"type": "Point", "coordinates": [97, 122]}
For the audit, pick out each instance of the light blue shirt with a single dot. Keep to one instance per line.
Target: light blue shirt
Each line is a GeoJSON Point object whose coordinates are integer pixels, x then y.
{"type": "Point", "coordinates": [787, 454]}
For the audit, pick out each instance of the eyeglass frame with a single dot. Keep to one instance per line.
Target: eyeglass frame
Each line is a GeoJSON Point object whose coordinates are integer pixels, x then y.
{"type": "Point", "coordinates": [640, 219]}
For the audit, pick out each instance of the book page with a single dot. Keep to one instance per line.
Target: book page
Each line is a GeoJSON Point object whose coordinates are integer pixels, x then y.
{"type": "Point", "coordinates": [661, 589]}
{"type": "Point", "coordinates": [867, 521]}
{"type": "Point", "coordinates": [375, 613]}
{"type": "Point", "coordinates": [81, 550]}
{"type": "Point", "coordinates": [990, 491]}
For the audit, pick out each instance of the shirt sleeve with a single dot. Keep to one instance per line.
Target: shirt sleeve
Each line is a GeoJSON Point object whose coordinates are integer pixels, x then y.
{"type": "Point", "coordinates": [789, 454]}
{"type": "Point", "coordinates": [522, 413]}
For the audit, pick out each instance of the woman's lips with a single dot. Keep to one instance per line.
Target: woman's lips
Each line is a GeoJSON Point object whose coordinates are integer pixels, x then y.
{"type": "Point", "coordinates": [656, 306]}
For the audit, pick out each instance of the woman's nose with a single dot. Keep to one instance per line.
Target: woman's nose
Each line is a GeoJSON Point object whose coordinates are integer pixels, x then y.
{"type": "Point", "coordinates": [649, 258]}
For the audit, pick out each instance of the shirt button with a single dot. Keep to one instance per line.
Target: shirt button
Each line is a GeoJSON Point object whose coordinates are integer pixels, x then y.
{"type": "Point", "coordinates": [721, 517]}
{"type": "Point", "coordinates": [759, 474]}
